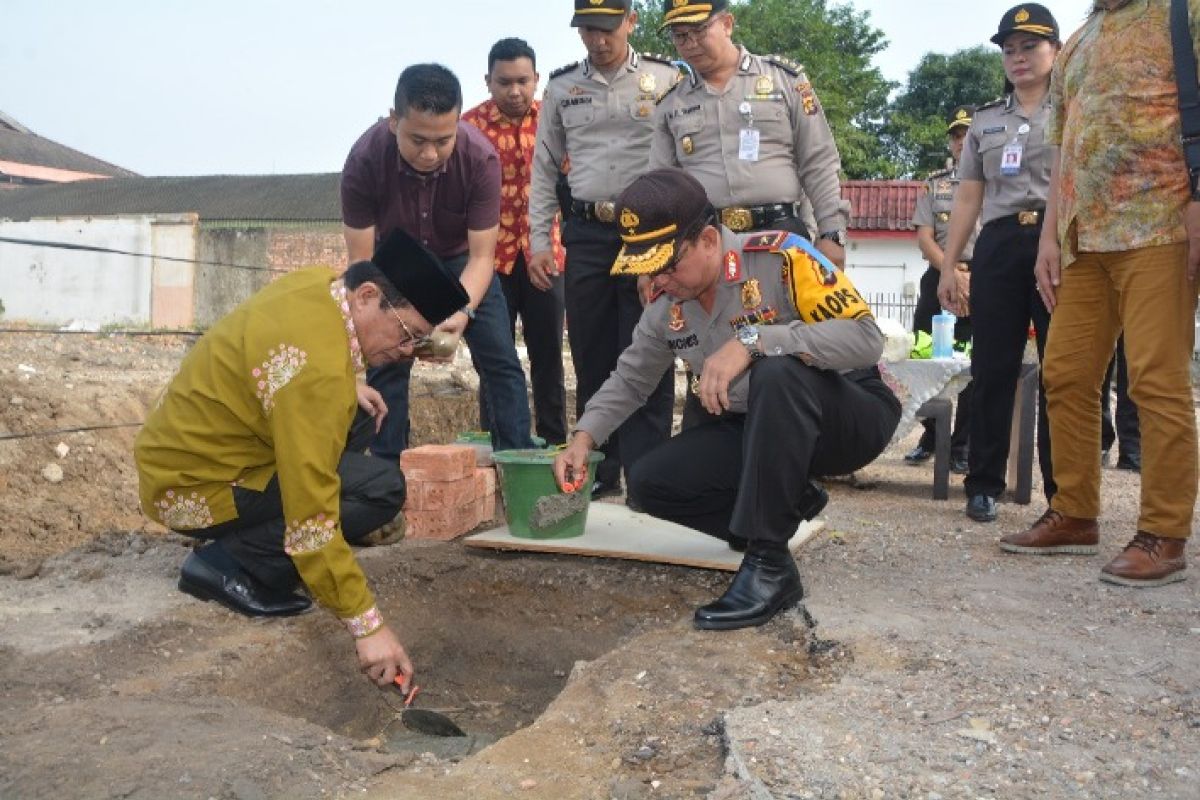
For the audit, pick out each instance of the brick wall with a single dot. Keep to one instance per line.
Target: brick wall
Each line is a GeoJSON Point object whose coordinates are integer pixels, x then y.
{"type": "Point", "coordinates": [292, 248]}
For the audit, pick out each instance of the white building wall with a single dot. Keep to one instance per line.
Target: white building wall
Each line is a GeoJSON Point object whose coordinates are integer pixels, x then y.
{"type": "Point", "coordinates": [54, 286]}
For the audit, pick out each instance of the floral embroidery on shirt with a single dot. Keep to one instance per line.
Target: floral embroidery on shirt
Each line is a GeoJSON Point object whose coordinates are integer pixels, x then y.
{"type": "Point", "coordinates": [365, 623]}
{"type": "Point", "coordinates": [180, 513]}
{"type": "Point", "coordinates": [338, 290]}
{"type": "Point", "coordinates": [308, 536]}
{"type": "Point", "coordinates": [282, 364]}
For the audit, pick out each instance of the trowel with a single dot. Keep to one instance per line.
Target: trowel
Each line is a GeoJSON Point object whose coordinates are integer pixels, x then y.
{"type": "Point", "coordinates": [421, 720]}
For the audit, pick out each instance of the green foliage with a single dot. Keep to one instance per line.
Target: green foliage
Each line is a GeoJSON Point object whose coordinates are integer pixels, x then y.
{"type": "Point", "coordinates": [835, 44]}
{"type": "Point", "coordinates": [916, 128]}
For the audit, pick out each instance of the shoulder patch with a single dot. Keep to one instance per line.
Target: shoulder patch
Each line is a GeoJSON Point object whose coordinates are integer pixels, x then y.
{"type": "Point", "coordinates": [766, 241]}
{"type": "Point", "coordinates": [786, 64]}
{"type": "Point", "coordinates": [564, 70]}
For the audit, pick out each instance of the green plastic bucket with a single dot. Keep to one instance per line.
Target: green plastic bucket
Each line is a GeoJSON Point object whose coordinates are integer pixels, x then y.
{"type": "Point", "coordinates": [534, 506]}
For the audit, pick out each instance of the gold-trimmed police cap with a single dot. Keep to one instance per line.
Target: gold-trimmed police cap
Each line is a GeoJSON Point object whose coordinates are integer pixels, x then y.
{"type": "Point", "coordinates": [690, 11]}
{"type": "Point", "coordinates": [603, 14]}
{"type": "Point", "coordinates": [1030, 18]}
{"type": "Point", "coordinates": [653, 214]}
{"type": "Point", "coordinates": [960, 117]}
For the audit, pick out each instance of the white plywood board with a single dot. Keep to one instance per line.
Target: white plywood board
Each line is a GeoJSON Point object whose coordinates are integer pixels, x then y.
{"type": "Point", "coordinates": [614, 531]}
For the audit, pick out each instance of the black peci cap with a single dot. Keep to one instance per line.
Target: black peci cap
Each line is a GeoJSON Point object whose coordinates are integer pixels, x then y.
{"type": "Point", "coordinates": [420, 277]}
{"type": "Point", "coordinates": [653, 214]}
{"type": "Point", "coordinates": [1030, 18]}
{"type": "Point", "coordinates": [960, 117]}
{"type": "Point", "coordinates": [689, 11]}
{"type": "Point", "coordinates": [603, 14]}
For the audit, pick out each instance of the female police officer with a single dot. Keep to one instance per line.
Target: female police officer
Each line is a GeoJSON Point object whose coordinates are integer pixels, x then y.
{"type": "Point", "coordinates": [1005, 172]}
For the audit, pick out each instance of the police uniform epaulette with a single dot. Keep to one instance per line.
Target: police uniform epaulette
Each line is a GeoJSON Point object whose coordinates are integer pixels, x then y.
{"type": "Point", "coordinates": [941, 173]}
{"type": "Point", "coordinates": [564, 70]}
{"type": "Point", "coordinates": [999, 101]}
{"type": "Point", "coordinates": [659, 57]}
{"type": "Point", "coordinates": [665, 94]}
{"type": "Point", "coordinates": [786, 64]}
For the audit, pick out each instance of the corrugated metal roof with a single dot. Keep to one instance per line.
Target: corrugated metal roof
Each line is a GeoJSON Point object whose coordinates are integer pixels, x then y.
{"type": "Point", "coordinates": [882, 205]}
{"type": "Point", "coordinates": [22, 146]}
{"type": "Point", "coordinates": [212, 197]}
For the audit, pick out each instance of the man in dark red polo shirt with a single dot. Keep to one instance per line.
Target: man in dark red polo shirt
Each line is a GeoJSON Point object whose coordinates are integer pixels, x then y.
{"type": "Point", "coordinates": [509, 119]}
{"type": "Point", "coordinates": [437, 178]}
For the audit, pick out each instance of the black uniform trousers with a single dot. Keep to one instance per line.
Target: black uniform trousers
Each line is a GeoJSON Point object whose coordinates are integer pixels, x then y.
{"type": "Point", "coordinates": [372, 494]}
{"type": "Point", "coordinates": [541, 315]}
{"type": "Point", "coordinates": [928, 305]}
{"type": "Point", "coordinates": [1004, 300]}
{"type": "Point", "coordinates": [602, 311]}
{"type": "Point", "coordinates": [1128, 432]}
{"type": "Point", "coordinates": [745, 473]}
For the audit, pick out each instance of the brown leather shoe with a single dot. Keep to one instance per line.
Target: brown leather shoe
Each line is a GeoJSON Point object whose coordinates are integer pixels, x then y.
{"type": "Point", "coordinates": [1147, 561]}
{"type": "Point", "coordinates": [1054, 534]}
{"type": "Point", "coordinates": [389, 533]}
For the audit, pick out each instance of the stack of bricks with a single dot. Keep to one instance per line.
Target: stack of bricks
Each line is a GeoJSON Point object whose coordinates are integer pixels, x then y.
{"type": "Point", "coordinates": [447, 494]}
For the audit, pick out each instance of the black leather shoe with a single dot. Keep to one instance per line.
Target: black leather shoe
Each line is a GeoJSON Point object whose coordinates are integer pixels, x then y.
{"type": "Point", "coordinates": [239, 593]}
{"type": "Point", "coordinates": [1130, 461]}
{"type": "Point", "coordinates": [958, 463]}
{"type": "Point", "coordinates": [981, 508]}
{"type": "Point", "coordinates": [603, 489]}
{"type": "Point", "coordinates": [763, 586]}
{"type": "Point", "coordinates": [918, 455]}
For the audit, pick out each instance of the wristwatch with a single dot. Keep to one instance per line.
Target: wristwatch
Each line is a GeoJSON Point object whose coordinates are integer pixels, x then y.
{"type": "Point", "coordinates": [748, 336]}
{"type": "Point", "coordinates": [470, 312]}
{"type": "Point", "coordinates": [837, 237]}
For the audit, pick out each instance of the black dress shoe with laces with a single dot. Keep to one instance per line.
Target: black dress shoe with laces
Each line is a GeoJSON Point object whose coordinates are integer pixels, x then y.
{"type": "Point", "coordinates": [918, 455]}
{"type": "Point", "coordinates": [811, 503]}
{"type": "Point", "coordinates": [604, 489]}
{"type": "Point", "coordinates": [981, 508]}
{"type": "Point", "coordinates": [764, 585]}
{"type": "Point", "coordinates": [1130, 461]}
{"type": "Point", "coordinates": [238, 592]}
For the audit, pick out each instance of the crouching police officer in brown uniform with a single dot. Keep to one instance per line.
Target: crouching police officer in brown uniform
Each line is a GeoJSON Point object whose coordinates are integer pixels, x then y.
{"type": "Point", "coordinates": [784, 352]}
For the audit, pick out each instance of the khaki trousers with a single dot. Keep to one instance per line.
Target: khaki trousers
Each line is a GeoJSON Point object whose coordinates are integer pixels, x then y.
{"type": "Point", "coordinates": [1145, 292]}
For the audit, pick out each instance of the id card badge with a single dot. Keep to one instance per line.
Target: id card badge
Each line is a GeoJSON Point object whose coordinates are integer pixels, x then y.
{"type": "Point", "coordinates": [1010, 158]}
{"type": "Point", "coordinates": [748, 141]}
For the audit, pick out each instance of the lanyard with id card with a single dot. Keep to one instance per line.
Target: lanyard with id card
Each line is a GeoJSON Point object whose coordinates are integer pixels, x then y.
{"type": "Point", "coordinates": [1013, 153]}
{"type": "Point", "coordinates": [749, 137]}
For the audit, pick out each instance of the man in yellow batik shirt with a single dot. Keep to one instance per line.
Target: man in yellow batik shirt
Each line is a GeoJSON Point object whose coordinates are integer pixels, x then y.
{"type": "Point", "coordinates": [251, 446]}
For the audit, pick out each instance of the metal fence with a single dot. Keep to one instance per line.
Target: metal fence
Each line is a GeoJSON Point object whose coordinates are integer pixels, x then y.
{"type": "Point", "coordinates": [893, 305]}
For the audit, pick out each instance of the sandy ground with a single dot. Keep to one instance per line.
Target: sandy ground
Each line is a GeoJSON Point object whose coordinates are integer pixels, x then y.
{"type": "Point", "coordinates": [926, 663]}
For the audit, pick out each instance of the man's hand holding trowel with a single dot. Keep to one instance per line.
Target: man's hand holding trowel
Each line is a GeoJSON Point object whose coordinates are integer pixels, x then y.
{"type": "Point", "coordinates": [571, 465]}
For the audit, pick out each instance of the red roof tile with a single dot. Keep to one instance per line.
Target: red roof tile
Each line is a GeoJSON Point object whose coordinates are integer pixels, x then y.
{"type": "Point", "coordinates": [881, 205]}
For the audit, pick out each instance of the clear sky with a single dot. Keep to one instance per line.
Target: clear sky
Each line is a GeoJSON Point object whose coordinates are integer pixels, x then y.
{"type": "Point", "coordinates": [277, 86]}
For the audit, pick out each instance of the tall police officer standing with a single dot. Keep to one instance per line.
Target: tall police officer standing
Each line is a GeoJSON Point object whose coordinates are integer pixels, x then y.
{"type": "Point", "coordinates": [784, 350]}
{"type": "Point", "coordinates": [751, 130]}
{"type": "Point", "coordinates": [598, 112]}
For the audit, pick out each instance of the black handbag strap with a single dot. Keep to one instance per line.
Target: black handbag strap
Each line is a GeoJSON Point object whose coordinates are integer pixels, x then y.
{"type": "Point", "coordinates": [1188, 79]}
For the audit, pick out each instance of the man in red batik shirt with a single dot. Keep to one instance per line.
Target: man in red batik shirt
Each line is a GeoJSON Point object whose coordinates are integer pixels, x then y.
{"type": "Point", "coordinates": [509, 120]}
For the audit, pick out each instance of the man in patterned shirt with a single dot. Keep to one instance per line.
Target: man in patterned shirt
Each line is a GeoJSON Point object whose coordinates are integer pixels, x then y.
{"type": "Point", "coordinates": [1120, 250]}
{"type": "Point", "coordinates": [509, 120]}
{"type": "Point", "coordinates": [248, 446]}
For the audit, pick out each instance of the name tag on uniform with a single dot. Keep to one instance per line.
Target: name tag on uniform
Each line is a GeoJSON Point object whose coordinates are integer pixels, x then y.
{"type": "Point", "coordinates": [1010, 159]}
{"type": "Point", "coordinates": [748, 142]}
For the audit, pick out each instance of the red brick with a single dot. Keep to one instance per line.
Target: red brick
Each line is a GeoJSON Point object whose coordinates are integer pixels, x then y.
{"type": "Point", "coordinates": [488, 507]}
{"type": "Point", "coordinates": [486, 478]}
{"type": "Point", "coordinates": [430, 495]}
{"type": "Point", "coordinates": [442, 524]}
{"type": "Point", "coordinates": [438, 462]}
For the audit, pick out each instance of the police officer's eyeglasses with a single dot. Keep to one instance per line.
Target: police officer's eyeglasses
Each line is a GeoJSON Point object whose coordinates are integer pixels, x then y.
{"type": "Point", "coordinates": [693, 33]}
{"type": "Point", "coordinates": [410, 339]}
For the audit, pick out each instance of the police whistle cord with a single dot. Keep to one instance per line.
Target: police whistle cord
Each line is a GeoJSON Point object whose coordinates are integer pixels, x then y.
{"type": "Point", "coordinates": [8, 437]}
{"type": "Point", "coordinates": [88, 248]}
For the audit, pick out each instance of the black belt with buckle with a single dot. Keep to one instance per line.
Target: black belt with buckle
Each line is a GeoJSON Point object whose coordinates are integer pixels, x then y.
{"type": "Point", "coordinates": [1024, 218]}
{"type": "Point", "coordinates": [740, 219]}
{"type": "Point", "coordinates": [604, 211]}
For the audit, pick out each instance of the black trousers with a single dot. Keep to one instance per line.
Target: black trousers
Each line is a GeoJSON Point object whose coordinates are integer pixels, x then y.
{"type": "Point", "coordinates": [928, 305]}
{"type": "Point", "coordinates": [1128, 432]}
{"type": "Point", "coordinates": [542, 323]}
{"type": "Point", "coordinates": [1004, 300]}
{"type": "Point", "coordinates": [372, 494]}
{"type": "Point", "coordinates": [745, 473]}
{"type": "Point", "coordinates": [602, 311]}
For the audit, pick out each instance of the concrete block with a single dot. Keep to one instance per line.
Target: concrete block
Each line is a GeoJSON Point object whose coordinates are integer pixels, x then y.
{"type": "Point", "coordinates": [438, 462]}
{"type": "Point", "coordinates": [443, 524]}
{"type": "Point", "coordinates": [430, 495]}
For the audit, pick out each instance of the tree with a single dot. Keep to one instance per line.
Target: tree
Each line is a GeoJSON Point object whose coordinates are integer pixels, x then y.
{"type": "Point", "coordinates": [916, 128]}
{"type": "Point", "coordinates": [834, 43]}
